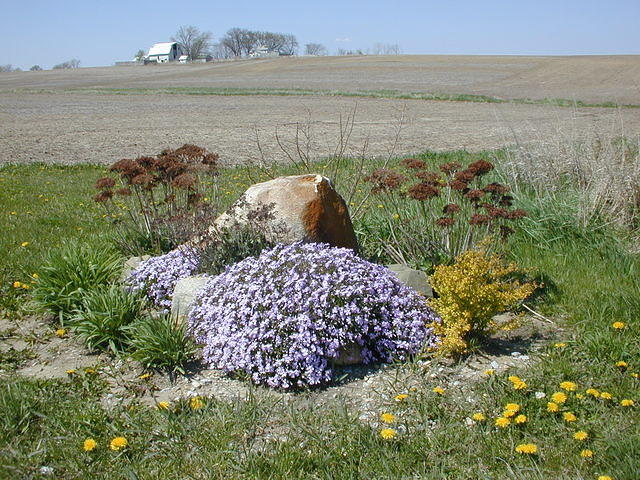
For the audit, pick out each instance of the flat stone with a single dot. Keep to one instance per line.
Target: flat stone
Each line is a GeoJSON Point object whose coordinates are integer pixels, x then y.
{"type": "Point", "coordinates": [184, 295]}
{"type": "Point", "coordinates": [416, 279]}
{"type": "Point", "coordinates": [131, 264]}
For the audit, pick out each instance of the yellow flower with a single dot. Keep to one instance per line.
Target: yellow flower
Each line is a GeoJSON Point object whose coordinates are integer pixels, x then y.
{"type": "Point", "coordinates": [559, 397]}
{"type": "Point", "coordinates": [163, 405]}
{"type": "Point", "coordinates": [61, 332]}
{"type": "Point", "coordinates": [196, 403]}
{"type": "Point", "coordinates": [17, 284]}
{"type": "Point", "coordinates": [627, 402]}
{"type": "Point", "coordinates": [388, 417]}
{"type": "Point", "coordinates": [25, 286]}
{"type": "Point", "coordinates": [618, 325]}
{"type": "Point", "coordinates": [396, 216]}
{"type": "Point", "coordinates": [401, 397]}
{"type": "Point", "coordinates": [514, 407]}
{"type": "Point", "coordinates": [581, 435]}
{"type": "Point", "coordinates": [70, 372]}
{"type": "Point", "coordinates": [520, 419]}
{"type": "Point", "coordinates": [634, 374]}
{"type": "Point", "coordinates": [491, 371]}
{"type": "Point", "coordinates": [35, 275]}
{"type": "Point", "coordinates": [509, 413]}
{"type": "Point", "coordinates": [479, 417]}
{"type": "Point", "coordinates": [568, 386]}
{"type": "Point", "coordinates": [586, 453]}
{"type": "Point", "coordinates": [579, 396]}
{"type": "Point", "coordinates": [24, 244]}
{"type": "Point", "coordinates": [439, 390]}
{"type": "Point", "coordinates": [622, 364]}
{"type": "Point", "coordinates": [380, 205]}
{"type": "Point", "coordinates": [144, 376]}
{"type": "Point", "coordinates": [527, 448]}
{"type": "Point", "coordinates": [519, 385]}
{"type": "Point", "coordinates": [118, 443]}
{"type": "Point", "coordinates": [606, 395]}
{"type": "Point", "coordinates": [560, 345]}
{"type": "Point", "coordinates": [388, 433]}
{"type": "Point", "coordinates": [593, 392]}
{"type": "Point", "coordinates": [605, 477]}
{"type": "Point", "coordinates": [569, 417]}
{"type": "Point", "coordinates": [514, 379]}
{"type": "Point", "coordinates": [552, 407]}
{"type": "Point", "coordinates": [89, 444]}
{"type": "Point", "coordinates": [502, 422]}
{"type": "Point", "coordinates": [90, 371]}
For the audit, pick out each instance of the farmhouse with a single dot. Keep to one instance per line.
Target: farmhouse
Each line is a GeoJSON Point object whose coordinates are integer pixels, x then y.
{"type": "Point", "coordinates": [164, 52]}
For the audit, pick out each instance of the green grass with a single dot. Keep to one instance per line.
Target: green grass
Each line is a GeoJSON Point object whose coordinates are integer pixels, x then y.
{"type": "Point", "coordinates": [592, 280]}
{"type": "Point", "coordinates": [288, 92]}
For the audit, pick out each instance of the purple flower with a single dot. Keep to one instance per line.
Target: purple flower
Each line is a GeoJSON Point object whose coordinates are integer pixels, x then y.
{"type": "Point", "coordinates": [283, 316]}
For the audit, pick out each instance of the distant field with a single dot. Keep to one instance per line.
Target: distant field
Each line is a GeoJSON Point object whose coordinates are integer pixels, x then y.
{"type": "Point", "coordinates": [102, 114]}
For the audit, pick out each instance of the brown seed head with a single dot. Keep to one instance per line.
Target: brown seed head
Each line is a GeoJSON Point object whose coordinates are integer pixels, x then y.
{"type": "Point", "coordinates": [413, 163]}
{"type": "Point", "coordinates": [451, 208]}
{"type": "Point", "coordinates": [186, 181]}
{"type": "Point", "coordinates": [105, 183]}
{"type": "Point", "coordinates": [480, 167]}
{"type": "Point", "coordinates": [450, 167]}
{"type": "Point", "coordinates": [103, 196]}
{"type": "Point", "coordinates": [445, 222]}
{"type": "Point", "coordinates": [423, 191]}
{"type": "Point", "coordinates": [479, 219]}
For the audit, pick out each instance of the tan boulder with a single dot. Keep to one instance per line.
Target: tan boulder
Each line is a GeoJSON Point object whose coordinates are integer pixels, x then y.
{"type": "Point", "coordinates": [302, 208]}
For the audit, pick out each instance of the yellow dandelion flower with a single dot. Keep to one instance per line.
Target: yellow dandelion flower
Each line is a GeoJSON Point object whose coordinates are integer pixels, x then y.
{"type": "Point", "coordinates": [514, 379]}
{"type": "Point", "coordinates": [569, 417]}
{"type": "Point", "coordinates": [618, 325]}
{"type": "Point", "coordinates": [527, 448]}
{"type": "Point", "coordinates": [388, 417]}
{"type": "Point", "coordinates": [634, 374]}
{"type": "Point", "coordinates": [581, 435]}
{"type": "Point", "coordinates": [605, 477]}
{"type": "Point", "coordinates": [89, 444]}
{"type": "Point", "coordinates": [520, 419]}
{"type": "Point", "coordinates": [559, 397]}
{"type": "Point", "coordinates": [144, 376]}
{"type": "Point", "coordinates": [25, 286]}
{"type": "Point", "coordinates": [163, 405]}
{"type": "Point", "coordinates": [606, 395]}
{"type": "Point", "coordinates": [622, 364]}
{"type": "Point", "coordinates": [118, 443]}
{"type": "Point", "coordinates": [196, 403]}
{"type": "Point", "coordinates": [401, 397]}
{"type": "Point", "coordinates": [627, 402]}
{"type": "Point", "coordinates": [552, 407]}
{"type": "Point", "coordinates": [509, 413]}
{"type": "Point", "coordinates": [579, 396]}
{"type": "Point", "coordinates": [514, 407]}
{"type": "Point", "coordinates": [61, 332]}
{"type": "Point", "coordinates": [593, 392]}
{"type": "Point", "coordinates": [438, 390]}
{"type": "Point", "coordinates": [568, 386]}
{"type": "Point", "coordinates": [490, 371]}
{"type": "Point", "coordinates": [90, 371]}
{"type": "Point", "coordinates": [35, 275]}
{"type": "Point", "coordinates": [380, 205]}
{"type": "Point", "coordinates": [586, 453]}
{"type": "Point", "coordinates": [388, 433]}
{"type": "Point", "coordinates": [519, 385]}
{"type": "Point", "coordinates": [479, 417]}
{"type": "Point", "coordinates": [24, 244]}
{"type": "Point", "coordinates": [502, 422]}
{"type": "Point", "coordinates": [17, 284]}
{"type": "Point", "coordinates": [560, 345]}
{"type": "Point", "coordinates": [396, 216]}
{"type": "Point", "coordinates": [70, 372]}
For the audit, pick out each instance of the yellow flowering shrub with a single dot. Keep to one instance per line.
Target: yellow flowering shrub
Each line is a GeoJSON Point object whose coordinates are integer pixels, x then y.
{"type": "Point", "coordinates": [471, 292]}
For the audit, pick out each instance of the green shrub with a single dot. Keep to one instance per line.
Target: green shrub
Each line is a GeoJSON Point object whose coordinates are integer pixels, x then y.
{"type": "Point", "coordinates": [162, 342]}
{"type": "Point", "coordinates": [105, 313]}
{"type": "Point", "coordinates": [69, 273]}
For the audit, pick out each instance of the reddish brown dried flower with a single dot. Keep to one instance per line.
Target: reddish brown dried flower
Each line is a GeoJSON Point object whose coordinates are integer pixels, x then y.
{"type": "Point", "coordinates": [105, 183]}
{"type": "Point", "coordinates": [432, 178]}
{"type": "Point", "coordinates": [423, 191]}
{"type": "Point", "coordinates": [497, 212]}
{"type": "Point", "coordinates": [127, 168]}
{"type": "Point", "coordinates": [190, 152]}
{"type": "Point", "coordinates": [125, 192]}
{"type": "Point", "coordinates": [465, 176]}
{"type": "Point", "coordinates": [517, 213]}
{"type": "Point", "coordinates": [474, 195]}
{"type": "Point", "coordinates": [451, 208]}
{"type": "Point", "coordinates": [479, 219]}
{"type": "Point", "coordinates": [450, 167]}
{"type": "Point", "coordinates": [459, 185]}
{"type": "Point", "coordinates": [186, 181]}
{"type": "Point", "coordinates": [480, 167]}
{"type": "Point", "coordinates": [413, 163]}
{"type": "Point", "coordinates": [211, 159]}
{"type": "Point", "coordinates": [103, 196]}
{"type": "Point", "coordinates": [496, 188]}
{"type": "Point", "coordinates": [445, 221]}
{"type": "Point", "coordinates": [385, 180]}
{"type": "Point", "coordinates": [142, 179]}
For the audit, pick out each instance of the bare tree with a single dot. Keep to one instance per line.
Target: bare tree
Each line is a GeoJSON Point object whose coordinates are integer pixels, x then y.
{"type": "Point", "coordinates": [220, 50]}
{"type": "Point", "coordinates": [386, 49]}
{"type": "Point", "coordinates": [194, 42]}
{"type": "Point", "coordinates": [315, 49]}
{"type": "Point", "coordinates": [35, 68]}
{"type": "Point", "coordinates": [73, 63]}
{"type": "Point", "coordinates": [233, 41]}
{"type": "Point", "coordinates": [290, 46]}
{"type": "Point", "coordinates": [7, 68]}
{"type": "Point", "coordinates": [274, 42]}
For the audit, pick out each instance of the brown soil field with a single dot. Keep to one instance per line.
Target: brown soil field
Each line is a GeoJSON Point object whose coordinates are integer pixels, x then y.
{"type": "Point", "coordinates": [45, 116]}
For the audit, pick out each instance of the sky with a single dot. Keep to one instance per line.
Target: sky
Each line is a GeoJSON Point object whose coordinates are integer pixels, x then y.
{"type": "Point", "coordinates": [102, 32]}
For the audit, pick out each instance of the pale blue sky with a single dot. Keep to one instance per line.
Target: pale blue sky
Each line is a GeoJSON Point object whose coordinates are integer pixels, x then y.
{"type": "Point", "coordinates": [101, 32]}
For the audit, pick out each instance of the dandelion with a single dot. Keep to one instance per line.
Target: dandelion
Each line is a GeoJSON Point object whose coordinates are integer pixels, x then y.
{"type": "Point", "coordinates": [559, 397]}
{"type": "Point", "coordinates": [527, 448]}
{"type": "Point", "coordinates": [634, 374]}
{"type": "Point", "coordinates": [627, 402]}
{"type": "Point", "coordinates": [35, 275]}
{"type": "Point", "coordinates": [17, 284]}
{"type": "Point", "coordinates": [401, 397]}
{"type": "Point", "coordinates": [569, 417]}
{"type": "Point", "coordinates": [514, 379]}
{"type": "Point", "coordinates": [25, 286]}
{"type": "Point", "coordinates": [89, 444]}
{"type": "Point", "coordinates": [502, 422]}
{"type": "Point", "coordinates": [61, 332]}
{"type": "Point", "coordinates": [552, 407]}
{"type": "Point", "coordinates": [579, 396]}
{"type": "Point", "coordinates": [70, 372]}
{"type": "Point", "coordinates": [490, 371]}
{"type": "Point", "coordinates": [593, 392]}
{"type": "Point", "coordinates": [520, 419]}
{"type": "Point", "coordinates": [144, 376]}
{"type": "Point", "coordinates": [388, 418]}
{"type": "Point", "coordinates": [195, 403]}
{"type": "Point", "coordinates": [90, 371]}
{"type": "Point", "coordinates": [388, 433]}
{"type": "Point", "coordinates": [605, 477]}
{"type": "Point", "coordinates": [606, 395]}
{"type": "Point", "coordinates": [618, 325]}
{"type": "Point", "coordinates": [24, 244]}
{"type": "Point", "coordinates": [514, 407]}
{"type": "Point", "coordinates": [118, 443]}
{"type": "Point", "coordinates": [622, 364]}
{"type": "Point", "coordinates": [519, 385]}
{"type": "Point", "coordinates": [586, 453]}
{"type": "Point", "coordinates": [509, 413]}
{"type": "Point", "coordinates": [163, 405]}
{"type": "Point", "coordinates": [479, 417]}
{"type": "Point", "coordinates": [581, 435]}
{"type": "Point", "coordinates": [560, 345]}
{"type": "Point", "coordinates": [568, 386]}
{"type": "Point", "coordinates": [439, 390]}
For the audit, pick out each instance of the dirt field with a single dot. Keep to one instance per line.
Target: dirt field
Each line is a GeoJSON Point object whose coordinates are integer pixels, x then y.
{"type": "Point", "coordinates": [67, 126]}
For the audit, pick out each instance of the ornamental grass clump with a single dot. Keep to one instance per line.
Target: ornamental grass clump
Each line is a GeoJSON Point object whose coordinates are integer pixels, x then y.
{"type": "Point", "coordinates": [282, 317]}
{"type": "Point", "coordinates": [471, 292]}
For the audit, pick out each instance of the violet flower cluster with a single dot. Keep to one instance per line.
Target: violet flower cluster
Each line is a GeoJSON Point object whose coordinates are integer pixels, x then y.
{"type": "Point", "coordinates": [157, 276]}
{"type": "Point", "coordinates": [283, 316]}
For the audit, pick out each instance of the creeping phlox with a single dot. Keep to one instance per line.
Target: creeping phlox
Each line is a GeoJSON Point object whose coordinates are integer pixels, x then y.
{"type": "Point", "coordinates": [284, 316]}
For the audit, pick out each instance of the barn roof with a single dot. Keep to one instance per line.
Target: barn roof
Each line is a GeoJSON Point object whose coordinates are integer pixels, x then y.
{"type": "Point", "coordinates": [163, 48]}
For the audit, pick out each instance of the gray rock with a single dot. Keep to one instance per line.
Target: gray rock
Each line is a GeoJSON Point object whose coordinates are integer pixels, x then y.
{"type": "Point", "coordinates": [184, 295]}
{"type": "Point", "coordinates": [416, 279]}
{"type": "Point", "coordinates": [131, 264]}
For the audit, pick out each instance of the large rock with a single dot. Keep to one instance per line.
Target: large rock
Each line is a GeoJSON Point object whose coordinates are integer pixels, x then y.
{"type": "Point", "coordinates": [184, 295]}
{"type": "Point", "coordinates": [302, 208]}
{"type": "Point", "coordinates": [131, 264]}
{"type": "Point", "coordinates": [416, 279]}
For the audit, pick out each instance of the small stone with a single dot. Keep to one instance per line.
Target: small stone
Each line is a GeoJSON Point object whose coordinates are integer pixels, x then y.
{"type": "Point", "coordinates": [515, 354]}
{"type": "Point", "coordinates": [416, 279]}
{"type": "Point", "coordinates": [494, 364]}
{"type": "Point", "coordinates": [44, 470]}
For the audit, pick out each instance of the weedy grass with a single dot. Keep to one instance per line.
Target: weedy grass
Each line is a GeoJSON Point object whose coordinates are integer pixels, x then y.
{"type": "Point", "coordinates": [591, 294]}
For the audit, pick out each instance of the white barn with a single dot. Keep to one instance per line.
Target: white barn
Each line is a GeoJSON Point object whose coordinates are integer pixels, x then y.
{"type": "Point", "coordinates": [164, 52]}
